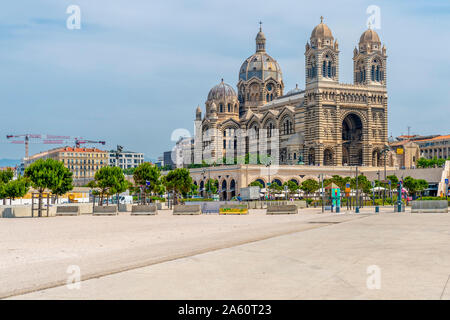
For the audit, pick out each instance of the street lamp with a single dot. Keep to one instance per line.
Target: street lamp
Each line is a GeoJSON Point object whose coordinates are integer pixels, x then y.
{"type": "Point", "coordinates": [323, 193]}
{"type": "Point", "coordinates": [384, 151]}
{"type": "Point", "coordinates": [268, 183]}
{"type": "Point", "coordinates": [117, 153]}
{"type": "Point", "coordinates": [378, 174]}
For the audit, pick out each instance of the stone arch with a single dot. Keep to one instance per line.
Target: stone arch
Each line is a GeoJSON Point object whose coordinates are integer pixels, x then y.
{"type": "Point", "coordinates": [376, 158]}
{"type": "Point", "coordinates": [277, 180]}
{"type": "Point", "coordinates": [328, 157]}
{"type": "Point", "coordinates": [270, 124]}
{"type": "Point", "coordinates": [286, 125]}
{"type": "Point", "coordinates": [232, 188]}
{"type": "Point", "coordinates": [307, 177]}
{"type": "Point", "coordinates": [202, 188]}
{"type": "Point", "coordinates": [311, 156]}
{"type": "Point", "coordinates": [223, 190]}
{"type": "Point", "coordinates": [262, 181]}
{"type": "Point", "coordinates": [352, 137]}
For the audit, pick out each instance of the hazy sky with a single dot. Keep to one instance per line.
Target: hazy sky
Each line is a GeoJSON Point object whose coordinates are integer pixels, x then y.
{"type": "Point", "coordinates": [136, 70]}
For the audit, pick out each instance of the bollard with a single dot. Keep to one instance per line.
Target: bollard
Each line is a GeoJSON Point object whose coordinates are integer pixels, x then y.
{"type": "Point", "coordinates": [377, 209]}
{"type": "Point", "coordinates": [357, 210]}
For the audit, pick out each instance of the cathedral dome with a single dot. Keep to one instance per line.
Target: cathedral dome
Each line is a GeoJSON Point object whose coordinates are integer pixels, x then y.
{"type": "Point", "coordinates": [369, 36]}
{"type": "Point", "coordinates": [261, 66]}
{"type": "Point", "coordinates": [321, 31]}
{"type": "Point", "coordinates": [221, 91]}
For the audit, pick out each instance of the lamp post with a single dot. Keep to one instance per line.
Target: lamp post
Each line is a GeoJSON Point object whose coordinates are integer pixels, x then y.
{"type": "Point", "coordinates": [268, 183]}
{"type": "Point", "coordinates": [378, 174]}
{"type": "Point", "coordinates": [357, 192]}
{"type": "Point", "coordinates": [384, 151]}
{"type": "Point", "coordinates": [323, 195]}
{"type": "Point", "coordinates": [117, 154]}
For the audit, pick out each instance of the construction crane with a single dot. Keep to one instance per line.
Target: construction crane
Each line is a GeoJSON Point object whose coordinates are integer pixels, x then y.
{"type": "Point", "coordinates": [79, 142]}
{"type": "Point", "coordinates": [26, 140]}
{"type": "Point", "coordinates": [49, 139]}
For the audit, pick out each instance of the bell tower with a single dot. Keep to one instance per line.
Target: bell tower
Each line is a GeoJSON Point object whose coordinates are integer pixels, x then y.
{"type": "Point", "coordinates": [322, 55]}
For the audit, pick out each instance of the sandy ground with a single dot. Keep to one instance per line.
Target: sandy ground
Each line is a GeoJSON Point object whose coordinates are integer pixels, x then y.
{"type": "Point", "coordinates": [35, 253]}
{"type": "Point", "coordinates": [305, 256]}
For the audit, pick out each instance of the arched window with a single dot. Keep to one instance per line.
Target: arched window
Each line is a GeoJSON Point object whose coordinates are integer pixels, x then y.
{"type": "Point", "coordinates": [221, 107]}
{"type": "Point", "coordinates": [288, 127]}
{"type": "Point", "coordinates": [269, 129]}
{"type": "Point", "coordinates": [229, 107]}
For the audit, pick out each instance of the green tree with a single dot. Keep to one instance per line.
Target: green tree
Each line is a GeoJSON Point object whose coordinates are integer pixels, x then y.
{"type": "Point", "coordinates": [421, 185]}
{"type": "Point", "coordinates": [423, 163]}
{"type": "Point", "coordinates": [275, 188]}
{"type": "Point", "coordinates": [393, 179]}
{"type": "Point", "coordinates": [212, 186]}
{"type": "Point", "coordinates": [5, 177]}
{"type": "Point", "coordinates": [109, 181]}
{"type": "Point", "coordinates": [46, 174]}
{"type": "Point", "coordinates": [415, 186]}
{"type": "Point", "coordinates": [178, 182]}
{"type": "Point", "coordinates": [129, 171]}
{"type": "Point", "coordinates": [363, 184]}
{"type": "Point", "coordinates": [194, 189]}
{"type": "Point", "coordinates": [410, 184]}
{"type": "Point", "coordinates": [292, 187]}
{"type": "Point", "coordinates": [256, 184]}
{"type": "Point", "coordinates": [309, 186]}
{"type": "Point", "coordinates": [16, 188]}
{"type": "Point", "coordinates": [65, 184]}
{"type": "Point", "coordinates": [144, 173]}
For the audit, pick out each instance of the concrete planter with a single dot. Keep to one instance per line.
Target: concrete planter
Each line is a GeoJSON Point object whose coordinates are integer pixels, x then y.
{"type": "Point", "coordinates": [125, 207]}
{"type": "Point", "coordinates": [19, 211]}
{"type": "Point", "coordinates": [282, 209]}
{"type": "Point", "coordinates": [72, 210]}
{"type": "Point", "coordinates": [431, 206]}
{"type": "Point", "coordinates": [105, 210]}
{"type": "Point", "coordinates": [148, 210]}
{"type": "Point", "coordinates": [194, 209]}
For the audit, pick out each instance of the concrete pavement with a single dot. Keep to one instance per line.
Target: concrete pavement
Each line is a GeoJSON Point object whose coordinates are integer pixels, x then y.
{"type": "Point", "coordinates": [330, 259]}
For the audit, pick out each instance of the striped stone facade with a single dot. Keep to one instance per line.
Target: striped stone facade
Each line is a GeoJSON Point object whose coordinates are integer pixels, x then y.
{"type": "Point", "coordinates": [328, 123]}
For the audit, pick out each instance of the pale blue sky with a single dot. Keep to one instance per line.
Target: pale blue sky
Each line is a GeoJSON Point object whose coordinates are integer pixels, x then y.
{"type": "Point", "coordinates": [137, 69]}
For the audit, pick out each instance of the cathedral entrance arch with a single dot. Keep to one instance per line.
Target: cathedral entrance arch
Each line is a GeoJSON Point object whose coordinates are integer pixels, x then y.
{"type": "Point", "coordinates": [328, 157]}
{"type": "Point", "coordinates": [224, 190]}
{"type": "Point", "coordinates": [352, 136]}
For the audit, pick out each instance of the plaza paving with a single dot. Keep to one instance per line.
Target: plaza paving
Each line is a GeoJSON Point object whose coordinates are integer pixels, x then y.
{"type": "Point", "coordinates": [305, 256]}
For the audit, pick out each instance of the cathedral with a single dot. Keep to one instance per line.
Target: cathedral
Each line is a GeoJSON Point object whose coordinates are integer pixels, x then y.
{"type": "Point", "coordinates": [327, 123]}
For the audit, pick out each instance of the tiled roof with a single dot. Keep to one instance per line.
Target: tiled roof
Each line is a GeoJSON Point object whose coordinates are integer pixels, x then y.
{"type": "Point", "coordinates": [446, 137]}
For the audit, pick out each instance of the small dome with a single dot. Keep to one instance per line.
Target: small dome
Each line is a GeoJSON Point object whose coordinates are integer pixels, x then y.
{"type": "Point", "coordinates": [294, 91]}
{"type": "Point", "coordinates": [369, 36]}
{"type": "Point", "coordinates": [199, 110]}
{"type": "Point", "coordinates": [321, 31]}
{"type": "Point", "coordinates": [213, 108]}
{"type": "Point", "coordinates": [221, 91]}
{"type": "Point", "coordinates": [260, 35]}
